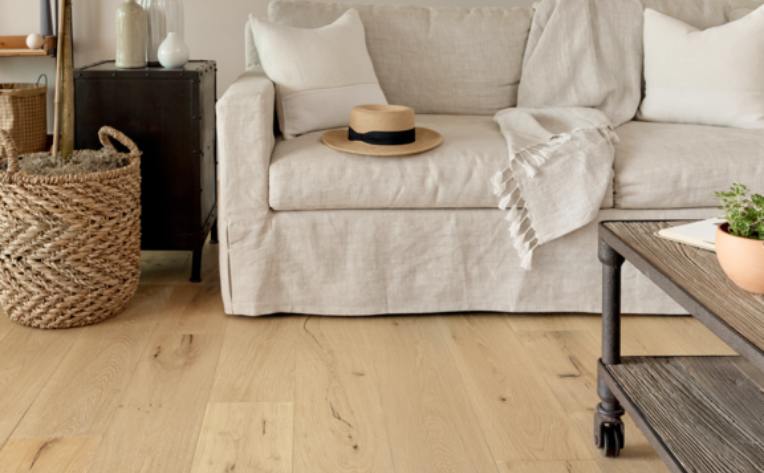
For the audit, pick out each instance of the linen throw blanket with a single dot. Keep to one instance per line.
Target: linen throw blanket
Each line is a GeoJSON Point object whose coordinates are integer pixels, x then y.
{"type": "Point", "coordinates": [585, 53]}
{"type": "Point", "coordinates": [560, 167]}
{"type": "Point", "coordinates": [581, 79]}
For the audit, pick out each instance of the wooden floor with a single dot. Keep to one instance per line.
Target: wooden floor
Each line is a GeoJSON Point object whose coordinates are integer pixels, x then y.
{"type": "Point", "coordinates": [173, 385]}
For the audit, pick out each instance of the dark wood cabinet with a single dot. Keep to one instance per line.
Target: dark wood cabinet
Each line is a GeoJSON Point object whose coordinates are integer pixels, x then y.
{"type": "Point", "coordinates": [170, 114]}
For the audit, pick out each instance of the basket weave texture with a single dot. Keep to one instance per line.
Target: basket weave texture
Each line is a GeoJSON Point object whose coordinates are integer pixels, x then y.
{"type": "Point", "coordinates": [69, 245]}
{"type": "Point", "coordinates": [23, 114]}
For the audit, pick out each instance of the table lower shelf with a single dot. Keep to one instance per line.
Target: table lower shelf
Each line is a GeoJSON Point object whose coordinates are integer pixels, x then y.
{"type": "Point", "coordinates": [702, 414]}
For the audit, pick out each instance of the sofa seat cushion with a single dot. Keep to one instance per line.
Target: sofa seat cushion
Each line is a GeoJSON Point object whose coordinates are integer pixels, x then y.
{"type": "Point", "coordinates": [666, 165]}
{"type": "Point", "coordinates": [306, 175]}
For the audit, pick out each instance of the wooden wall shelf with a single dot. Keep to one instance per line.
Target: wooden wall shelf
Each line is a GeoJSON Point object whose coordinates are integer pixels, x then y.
{"type": "Point", "coordinates": [15, 46]}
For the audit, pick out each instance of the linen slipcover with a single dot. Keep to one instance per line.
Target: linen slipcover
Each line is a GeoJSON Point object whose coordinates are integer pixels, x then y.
{"type": "Point", "coordinates": [306, 175]}
{"type": "Point", "coordinates": [667, 165]}
{"type": "Point", "coordinates": [355, 262]}
{"type": "Point", "coordinates": [374, 261]}
{"type": "Point", "coordinates": [458, 60]}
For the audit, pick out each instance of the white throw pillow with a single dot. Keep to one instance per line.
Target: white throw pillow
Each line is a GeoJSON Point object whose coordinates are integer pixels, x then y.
{"type": "Point", "coordinates": [711, 77]}
{"type": "Point", "coordinates": [320, 74]}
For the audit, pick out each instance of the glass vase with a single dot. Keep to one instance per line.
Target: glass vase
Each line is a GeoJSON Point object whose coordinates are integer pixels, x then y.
{"type": "Point", "coordinates": [165, 16]}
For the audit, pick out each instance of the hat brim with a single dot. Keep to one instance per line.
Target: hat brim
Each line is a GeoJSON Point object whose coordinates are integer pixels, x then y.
{"type": "Point", "coordinates": [426, 139]}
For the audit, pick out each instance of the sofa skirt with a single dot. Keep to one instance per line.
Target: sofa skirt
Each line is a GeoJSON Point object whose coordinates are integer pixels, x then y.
{"type": "Point", "coordinates": [367, 262]}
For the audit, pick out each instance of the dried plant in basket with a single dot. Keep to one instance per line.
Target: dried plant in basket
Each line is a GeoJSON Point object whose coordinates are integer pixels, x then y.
{"type": "Point", "coordinates": [69, 220]}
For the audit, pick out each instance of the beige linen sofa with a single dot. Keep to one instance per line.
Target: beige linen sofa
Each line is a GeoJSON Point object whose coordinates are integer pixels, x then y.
{"type": "Point", "coordinates": [306, 229]}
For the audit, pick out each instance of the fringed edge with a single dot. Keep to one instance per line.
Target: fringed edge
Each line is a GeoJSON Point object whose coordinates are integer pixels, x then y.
{"type": "Point", "coordinates": [520, 226]}
{"type": "Point", "coordinates": [531, 159]}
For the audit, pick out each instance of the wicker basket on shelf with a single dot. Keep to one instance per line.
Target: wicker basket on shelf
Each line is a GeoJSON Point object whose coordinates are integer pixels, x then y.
{"type": "Point", "coordinates": [69, 244]}
{"type": "Point", "coordinates": [23, 114]}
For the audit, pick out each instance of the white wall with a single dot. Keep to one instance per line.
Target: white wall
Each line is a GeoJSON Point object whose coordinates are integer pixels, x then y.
{"type": "Point", "coordinates": [214, 30]}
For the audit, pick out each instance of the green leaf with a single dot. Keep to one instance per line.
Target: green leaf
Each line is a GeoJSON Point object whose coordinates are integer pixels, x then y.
{"type": "Point", "coordinates": [745, 214]}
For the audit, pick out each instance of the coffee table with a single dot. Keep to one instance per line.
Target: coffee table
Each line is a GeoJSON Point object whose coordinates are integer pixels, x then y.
{"type": "Point", "coordinates": [704, 413]}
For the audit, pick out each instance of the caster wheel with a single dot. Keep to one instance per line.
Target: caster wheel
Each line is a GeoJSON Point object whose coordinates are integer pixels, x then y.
{"type": "Point", "coordinates": [610, 438]}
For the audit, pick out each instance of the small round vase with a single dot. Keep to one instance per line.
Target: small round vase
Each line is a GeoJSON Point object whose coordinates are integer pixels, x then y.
{"type": "Point", "coordinates": [173, 52]}
{"type": "Point", "coordinates": [132, 32]}
{"type": "Point", "coordinates": [35, 41]}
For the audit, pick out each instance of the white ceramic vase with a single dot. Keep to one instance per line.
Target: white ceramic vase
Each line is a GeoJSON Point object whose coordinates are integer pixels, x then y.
{"type": "Point", "coordinates": [131, 29]}
{"type": "Point", "coordinates": [173, 52]}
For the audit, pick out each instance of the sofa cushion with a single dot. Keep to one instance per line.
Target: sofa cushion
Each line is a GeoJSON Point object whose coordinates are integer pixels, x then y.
{"type": "Point", "coordinates": [316, 88]}
{"type": "Point", "coordinates": [703, 14]}
{"type": "Point", "coordinates": [663, 165]}
{"type": "Point", "coordinates": [306, 175]}
{"type": "Point", "coordinates": [436, 60]}
{"type": "Point", "coordinates": [719, 79]}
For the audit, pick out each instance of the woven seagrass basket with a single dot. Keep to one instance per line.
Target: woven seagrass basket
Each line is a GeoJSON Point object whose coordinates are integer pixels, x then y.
{"type": "Point", "coordinates": [23, 115]}
{"type": "Point", "coordinates": [69, 244]}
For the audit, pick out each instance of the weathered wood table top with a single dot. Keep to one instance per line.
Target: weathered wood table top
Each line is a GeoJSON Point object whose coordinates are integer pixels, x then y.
{"type": "Point", "coordinates": [694, 279]}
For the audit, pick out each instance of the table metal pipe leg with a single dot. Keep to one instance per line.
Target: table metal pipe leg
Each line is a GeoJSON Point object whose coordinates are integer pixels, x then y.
{"type": "Point", "coordinates": [608, 427]}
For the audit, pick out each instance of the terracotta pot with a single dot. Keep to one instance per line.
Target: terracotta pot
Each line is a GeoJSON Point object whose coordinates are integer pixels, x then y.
{"type": "Point", "coordinates": [742, 259]}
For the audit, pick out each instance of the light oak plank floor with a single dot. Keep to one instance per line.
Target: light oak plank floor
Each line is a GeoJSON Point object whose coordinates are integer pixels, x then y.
{"type": "Point", "coordinates": [172, 385]}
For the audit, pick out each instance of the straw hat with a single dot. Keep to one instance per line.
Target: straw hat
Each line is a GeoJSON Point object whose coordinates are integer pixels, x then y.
{"type": "Point", "coordinates": [382, 130]}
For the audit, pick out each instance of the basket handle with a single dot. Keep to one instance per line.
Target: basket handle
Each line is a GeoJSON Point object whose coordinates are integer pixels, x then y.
{"type": "Point", "coordinates": [107, 133]}
{"type": "Point", "coordinates": [8, 149]}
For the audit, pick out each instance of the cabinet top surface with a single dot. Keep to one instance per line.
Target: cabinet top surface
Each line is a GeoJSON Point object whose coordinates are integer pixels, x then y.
{"type": "Point", "coordinates": [108, 67]}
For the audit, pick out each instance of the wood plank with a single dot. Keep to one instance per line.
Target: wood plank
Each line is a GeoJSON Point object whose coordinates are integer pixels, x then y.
{"type": "Point", "coordinates": [433, 415]}
{"type": "Point", "coordinates": [698, 273]}
{"type": "Point", "coordinates": [258, 360]}
{"type": "Point", "coordinates": [646, 335]}
{"type": "Point", "coordinates": [518, 412]}
{"type": "Point", "coordinates": [691, 413]}
{"type": "Point", "coordinates": [46, 455]}
{"type": "Point", "coordinates": [521, 323]}
{"type": "Point", "coordinates": [5, 325]}
{"type": "Point", "coordinates": [13, 42]}
{"type": "Point", "coordinates": [28, 358]}
{"type": "Point", "coordinates": [246, 437]}
{"type": "Point", "coordinates": [722, 382]}
{"type": "Point", "coordinates": [157, 422]}
{"type": "Point", "coordinates": [430, 418]}
{"type": "Point", "coordinates": [23, 53]}
{"type": "Point", "coordinates": [566, 360]}
{"type": "Point", "coordinates": [573, 466]}
{"type": "Point", "coordinates": [82, 395]}
{"type": "Point", "coordinates": [339, 421]}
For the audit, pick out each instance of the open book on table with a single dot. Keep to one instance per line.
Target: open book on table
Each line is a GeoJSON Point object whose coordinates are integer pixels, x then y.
{"type": "Point", "coordinates": [701, 234]}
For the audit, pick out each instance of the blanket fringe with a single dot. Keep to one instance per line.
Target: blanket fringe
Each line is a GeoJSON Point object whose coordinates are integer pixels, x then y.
{"type": "Point", "coordinates": [521, 230]}
{"type": "Point", "coordinates": [530, 160]}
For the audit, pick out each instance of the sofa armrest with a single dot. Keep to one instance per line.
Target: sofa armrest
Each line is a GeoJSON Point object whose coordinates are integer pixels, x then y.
{"type": "Point", "coordinates": [245, 144]}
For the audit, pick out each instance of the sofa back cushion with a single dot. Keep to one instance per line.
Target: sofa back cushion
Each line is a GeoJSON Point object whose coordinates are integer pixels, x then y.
{"type": "Point", "coordinates": [447, 60]}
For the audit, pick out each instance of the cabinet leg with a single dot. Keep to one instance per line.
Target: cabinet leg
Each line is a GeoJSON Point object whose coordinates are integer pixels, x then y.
{"type": "Point", "coordinates": [214, 233]}
{"type": "Point", "coordinates": [608, 427]}
{"type": "Point", "coordinates": [196, 265]}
